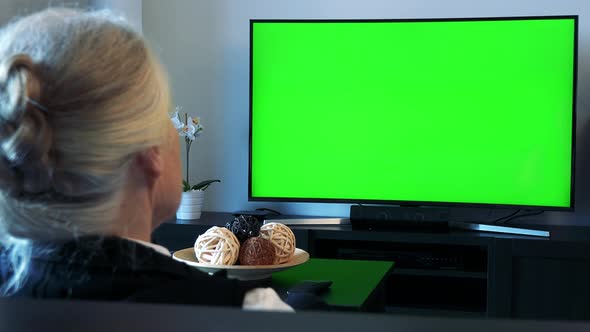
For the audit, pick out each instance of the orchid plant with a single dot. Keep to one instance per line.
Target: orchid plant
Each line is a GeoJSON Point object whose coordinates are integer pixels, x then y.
{"type": "Point", "coordinates": [190, 129]}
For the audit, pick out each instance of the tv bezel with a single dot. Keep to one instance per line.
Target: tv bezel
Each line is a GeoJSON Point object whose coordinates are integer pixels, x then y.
{"type": "Point", "coordinates": [418, 203]}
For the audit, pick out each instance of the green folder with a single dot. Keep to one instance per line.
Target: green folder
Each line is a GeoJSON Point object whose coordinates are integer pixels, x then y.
{"type": "Point", "coordinates": [354, 281]}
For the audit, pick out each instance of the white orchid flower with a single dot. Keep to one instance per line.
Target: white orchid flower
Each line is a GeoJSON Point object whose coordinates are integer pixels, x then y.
{"type": "Point", "coordinates": [176, 121]}
{"type": "Point", "coordinates": [190, 129]}
{"type": "Point", "coordinates": [196, 121]}
{"type": "Point", "coordinates": [187, 133]}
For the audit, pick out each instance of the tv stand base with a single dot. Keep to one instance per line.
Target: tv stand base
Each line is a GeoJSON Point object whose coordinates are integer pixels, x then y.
{"type": "Point", "coordinates": [499, 229]}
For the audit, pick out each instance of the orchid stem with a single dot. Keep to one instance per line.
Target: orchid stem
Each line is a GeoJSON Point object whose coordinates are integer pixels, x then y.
{"type": "Point", "coordinates": [188, 148]}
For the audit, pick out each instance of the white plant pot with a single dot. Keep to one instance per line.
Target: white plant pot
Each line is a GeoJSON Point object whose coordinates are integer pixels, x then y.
{"type": "Point", "coordinates": [191, 204]}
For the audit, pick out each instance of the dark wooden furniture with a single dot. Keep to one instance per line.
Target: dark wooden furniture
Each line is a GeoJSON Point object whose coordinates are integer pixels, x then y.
{"type": "Point", "coordinates": [54, 315]}
{"type": "Point", "coordinates": [462, 273]}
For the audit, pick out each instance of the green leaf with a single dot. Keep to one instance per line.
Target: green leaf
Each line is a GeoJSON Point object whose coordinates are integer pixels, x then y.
{"type": "Point", "coordinates": [204, 184]}
{"type": "Point", "coordinates": [186, 186]}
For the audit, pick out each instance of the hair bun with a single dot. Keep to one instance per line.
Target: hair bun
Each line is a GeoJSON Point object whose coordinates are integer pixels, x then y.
{"type": "Point", "coordinates": [25, 136]}
{"type": "Point", "coordinates": [18, 85]}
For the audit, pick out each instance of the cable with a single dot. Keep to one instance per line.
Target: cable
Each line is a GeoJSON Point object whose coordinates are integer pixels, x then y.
{"type": "Point", "coordinates": [524, 215]}
{"type": "Point", "coordinates": [508, 216]}
{"type": "Point", "coordinates": [269, 210]}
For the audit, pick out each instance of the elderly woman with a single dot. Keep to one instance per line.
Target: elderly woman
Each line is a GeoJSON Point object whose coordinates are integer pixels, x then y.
{"type": "Point", "coordinates": [89, 166]}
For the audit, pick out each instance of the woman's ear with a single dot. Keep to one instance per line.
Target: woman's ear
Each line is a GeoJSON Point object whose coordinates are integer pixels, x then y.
{"type": "Point", "coordinates": [151, 163]}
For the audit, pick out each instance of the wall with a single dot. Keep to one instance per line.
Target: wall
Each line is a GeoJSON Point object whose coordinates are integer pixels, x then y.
{"type": "Point", "coordinates": [204, 44]}
{"type": "Point", "coordinates": [131, 9]}
{"type": "Point", "coordinates": [14, 8]}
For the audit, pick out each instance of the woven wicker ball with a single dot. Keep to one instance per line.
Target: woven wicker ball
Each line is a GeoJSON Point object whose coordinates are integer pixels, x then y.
{"type": "Point", "coordinates": [257, 251]}
{"type": "Point", "coordinates": [244, 227]}
{"type": "Point", "coordinates": [282, 238]}
{"type": "Point", "coordinates": [217, 246]}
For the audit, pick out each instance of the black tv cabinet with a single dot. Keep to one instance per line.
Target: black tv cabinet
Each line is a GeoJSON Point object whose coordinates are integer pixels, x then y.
{"type": "Point", "coordinates": [454, 273]}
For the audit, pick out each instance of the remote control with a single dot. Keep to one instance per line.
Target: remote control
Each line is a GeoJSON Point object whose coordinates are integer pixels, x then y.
{"type": "Point", "coordinates": [310, 286]}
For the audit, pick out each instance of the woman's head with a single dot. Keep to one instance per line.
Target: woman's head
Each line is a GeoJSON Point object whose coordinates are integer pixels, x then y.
{"type": "Point", "coordinates": [80, 96]}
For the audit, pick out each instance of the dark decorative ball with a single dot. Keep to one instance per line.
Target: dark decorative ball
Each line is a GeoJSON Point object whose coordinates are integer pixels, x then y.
{"type": "Point", "coordinates": [244, 227]}
{"type": "Point", "coordinates": [257, 251]}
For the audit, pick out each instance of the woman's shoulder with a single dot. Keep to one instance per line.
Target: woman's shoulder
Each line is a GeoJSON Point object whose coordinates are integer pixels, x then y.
{"type": "Point", "coordinates": [121, 269]}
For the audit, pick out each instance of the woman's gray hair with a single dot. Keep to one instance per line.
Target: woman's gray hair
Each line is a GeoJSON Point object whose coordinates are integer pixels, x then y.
{"type": "Point", "coordinates": [80, 95]}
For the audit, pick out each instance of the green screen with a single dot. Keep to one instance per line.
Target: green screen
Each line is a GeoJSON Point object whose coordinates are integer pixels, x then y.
{"type": "Point", "coordinates": [472, 111]}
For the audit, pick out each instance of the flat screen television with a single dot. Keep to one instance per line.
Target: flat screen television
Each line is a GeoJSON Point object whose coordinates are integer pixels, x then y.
{"type": "Point", "coordinates": [462, 111]}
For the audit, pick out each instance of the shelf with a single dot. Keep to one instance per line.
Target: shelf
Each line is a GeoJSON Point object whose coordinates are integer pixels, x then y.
{"type": "Point", "coordinates": [440, 273]}
{"type": "Point", "coordinates": [416, 288]}
{"type": "Point", "coordinates": [433, 312]}
{"type": "Point", "coordinates": [415, 259]}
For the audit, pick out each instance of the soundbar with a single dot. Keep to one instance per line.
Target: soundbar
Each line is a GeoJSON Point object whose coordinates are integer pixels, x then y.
{"type": "Point", "coordinates": [391, 217]}
{"type": "Point", "coordinates": [310, 221]}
